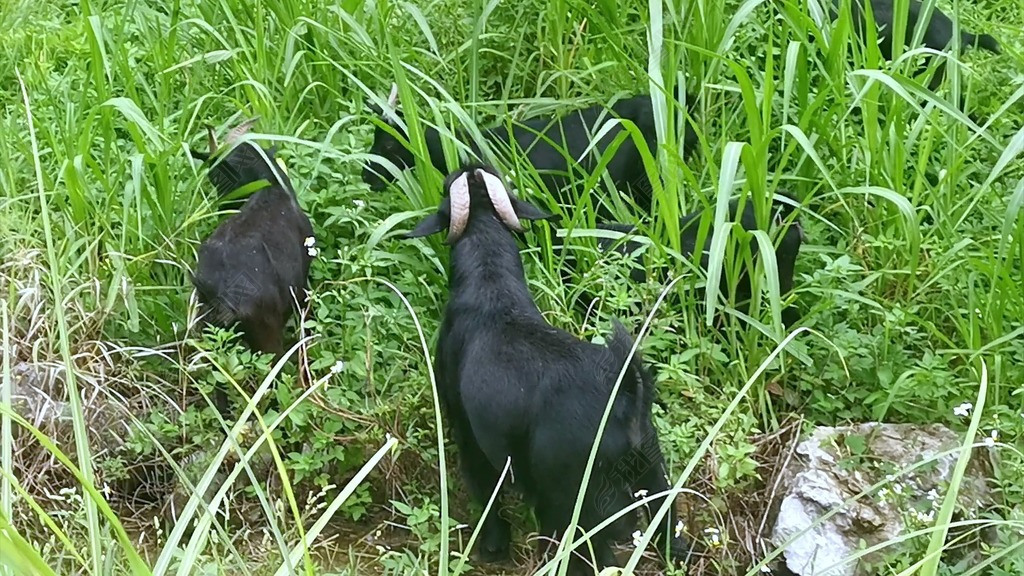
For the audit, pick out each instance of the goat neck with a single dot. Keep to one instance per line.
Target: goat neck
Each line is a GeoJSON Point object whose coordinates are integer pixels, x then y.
{"type": "Point", "coordinates": [486, 268]}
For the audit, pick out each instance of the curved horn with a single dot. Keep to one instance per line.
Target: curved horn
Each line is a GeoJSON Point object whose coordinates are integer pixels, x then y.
{"type": "Point", "coordinates": [211, 140]}
{"type": "Point", "coordinates": [498, 194]}
{"type": "Point", "coordinates": [240, 130]}
{"type": "Point", "coordinates": [393, 96]}
{"type": "Point", "coordinates": [458, 194]}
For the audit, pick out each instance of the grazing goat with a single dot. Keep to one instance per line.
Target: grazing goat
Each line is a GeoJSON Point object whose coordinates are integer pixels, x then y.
{"type": "Point", "coordinates": [552, 145]}
{"type": "Point", "coordinates": [786, 251]}
{"type": "Point", "coordinates": [938, 33]}
{"type": "Point", "coordinates": [254, 267]}
{"type": "Point", "coordinates": [513, 386]}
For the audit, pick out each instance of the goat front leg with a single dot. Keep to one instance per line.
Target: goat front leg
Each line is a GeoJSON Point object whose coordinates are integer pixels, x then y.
{"type": "Point", "coordinates": [554, 510]}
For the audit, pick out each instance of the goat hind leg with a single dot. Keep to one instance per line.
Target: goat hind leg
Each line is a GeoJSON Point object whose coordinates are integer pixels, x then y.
{"type": "Point", "coordinates": [481, 479]}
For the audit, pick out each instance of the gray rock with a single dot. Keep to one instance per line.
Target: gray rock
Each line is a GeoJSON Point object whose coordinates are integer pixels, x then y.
{"type": "Point", "coordinates": [834, 465]}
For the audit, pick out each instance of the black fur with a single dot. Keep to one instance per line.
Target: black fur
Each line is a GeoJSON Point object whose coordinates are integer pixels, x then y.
{"type": "Point", "coordinates": [252, 263]}
{"type": "Point", "coordinates": [938, 33]}
{"type": "Point", "coordinates": [786, 251]}
{"type": "Point", "coordinates": [512, 385]}
{"type": "Point", "coordinates": [540, 141]}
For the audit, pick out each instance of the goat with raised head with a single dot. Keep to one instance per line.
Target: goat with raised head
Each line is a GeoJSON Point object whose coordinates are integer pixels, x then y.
{"type": "Point", "coordinates": [513, 386]}
{"type": "Point", "coordinates": [553, 145]}
{"type": "Point", "coordinates": [253, 269]}
{"type": "Point", "coordinates": [938, 34]}
{"type": "Point", "coordinates": [786, 250]}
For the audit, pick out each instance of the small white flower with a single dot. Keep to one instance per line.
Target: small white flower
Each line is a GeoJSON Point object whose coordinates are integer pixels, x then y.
{"type": "Point", "coordinates": [637, 536]}
{"type": "Point", "coordinates": [309, 241]}
{"type": "Point", "coordinates": [963, 410]}
{"type": "Point", "coordinates": [640, 494]}
{"type": "Point", "coordinates": [897, 488]}
{"type": "Point", "coordinates": [992, 438]}
{"type": "Point", "coordinates": [766, 570]}
{"type": "Point", "coordinates": [312, 251]}
{"type": "Point", "coordinates": [338, 367]}
{"type": "Point", "coordinates": [713, 537]}
{"type": "Point", "coordinates": [358, 203]}
{"type": "Point", "coordinates": [924, 517]}
{"type": "Point", "coordinates": [679, 528]}
{"type": "Point", "coordinates": [883, 493]}
{"type": "Point", "coordinates": [933, 495]}
{"type": "Point", "coordinates": [890, 478]}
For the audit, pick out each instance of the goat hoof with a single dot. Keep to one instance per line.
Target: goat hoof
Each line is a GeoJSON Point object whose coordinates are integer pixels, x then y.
{"type": "Point", "coordinates": [489, 552]}
{"type": "Point", "coordinates": [679, 554]}
{"type": "Point", "coordinates": [493, 545]}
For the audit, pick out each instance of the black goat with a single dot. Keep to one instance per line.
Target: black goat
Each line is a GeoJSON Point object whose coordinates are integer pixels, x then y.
{"type": "Point", "coordinates": [513, 386]}
{"type": "Point", "coordinates": [552, 145]}
{"type": "Point", "coordinates": [938, 33]}
{"type": "Point", "coordinates": [254, 267]}
{"type": "Point", "coordinates": [786, 251]}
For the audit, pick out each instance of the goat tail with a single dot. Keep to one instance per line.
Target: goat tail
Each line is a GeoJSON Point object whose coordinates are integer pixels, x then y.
{"type": "Point", "coordinates": [637, 381]}
{"type": "Point", "coordinates": [989, 43]}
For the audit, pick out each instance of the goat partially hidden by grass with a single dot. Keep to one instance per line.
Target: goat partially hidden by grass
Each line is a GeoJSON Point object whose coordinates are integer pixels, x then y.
{"type": "Point", "coordinates": [553, 145]}
{"type": "Point", "coordinates": [787, 249]}
{"type": "Point", "coordinates": [253, 269]}
{"type": "Point", "coordinates": [513, 386]}
{"type": "Point", "coordinates": [938, 34]}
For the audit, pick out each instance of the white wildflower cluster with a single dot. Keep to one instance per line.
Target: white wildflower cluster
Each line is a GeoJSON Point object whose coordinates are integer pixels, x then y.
{"type": "Point", "coordinates": [992, 438]}
{"type": "Point", "coordinates": [310, 244]}
{"type": "Point", "coordinates": [381, 548]}
{"type": "Point", "coordinates": [637, 537]}
{"type": "Point", "coordinates": [358, 203]}
{"type": "Point", "coordinates": [338, 367]}
{"type": "Point", "coordinates": [679, 528]}
{"type": "Point", "coordinates": [714, 537]}
{"type": "Point", "coordinates": [923, 517]}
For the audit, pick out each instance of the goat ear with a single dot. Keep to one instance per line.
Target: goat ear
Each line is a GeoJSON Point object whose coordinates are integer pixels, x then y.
{"type": "Point", "coordinates": [432, 224]}
{"type": "Point", "coordinates": [526, 211]}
